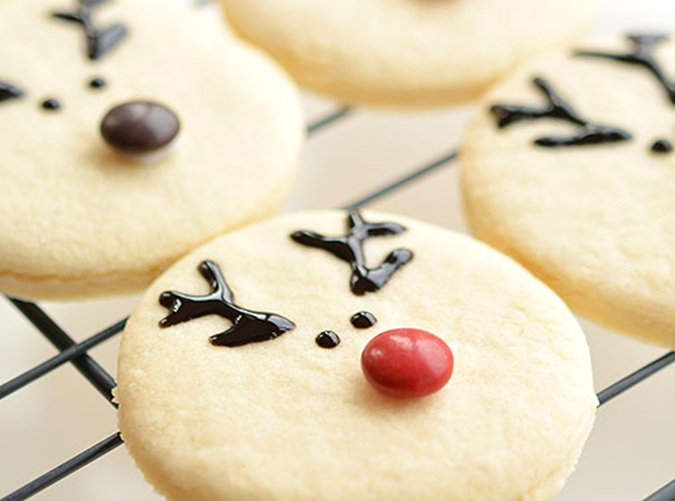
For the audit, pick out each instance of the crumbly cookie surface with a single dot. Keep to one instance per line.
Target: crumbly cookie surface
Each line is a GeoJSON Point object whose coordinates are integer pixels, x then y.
{"type": "Point", "coordinates": [406, 52]}
{"type": "Point", "coordinates": [285, 419]}
{"type": "Point", "coordinates": [588, 206]}
{"type": "Point", "coordinates": [78, 217]}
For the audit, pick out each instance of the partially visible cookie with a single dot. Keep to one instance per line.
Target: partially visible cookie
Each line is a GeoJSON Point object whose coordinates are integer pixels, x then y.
{"type": "Point", "coordinates": [262, 367]}
{"type": "Point", "coordinates": [131, 131]}
{"type": "Point", "coordinates": [569, 167]}
{"type": "Point", "coordinates": [406, 52]}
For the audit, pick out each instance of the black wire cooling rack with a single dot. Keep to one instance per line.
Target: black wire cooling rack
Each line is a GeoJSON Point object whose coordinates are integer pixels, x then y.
{"type": "Point", "coordinates": [101, 380]}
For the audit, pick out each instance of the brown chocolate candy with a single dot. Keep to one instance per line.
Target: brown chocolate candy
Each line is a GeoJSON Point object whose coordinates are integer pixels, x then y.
{"type": "Point", "coordinates": [139, 127]}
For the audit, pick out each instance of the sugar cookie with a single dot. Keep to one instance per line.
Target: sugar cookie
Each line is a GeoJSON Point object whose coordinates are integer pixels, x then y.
{"type": "Point", "coordinates": [406, 52]}
{"type": "Point", "coordinates": [244, 371]}
{"type": "Point", "coordinates": [569, 168]}
{"type": "Point", "coordinates": [131, 132]}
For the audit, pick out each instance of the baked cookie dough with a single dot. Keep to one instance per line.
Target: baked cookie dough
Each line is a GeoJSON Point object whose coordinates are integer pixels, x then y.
{"type": "Point", "coordinates": [131, 131]}
{"type": "Point", "coordinates": [569, 168]}
{"type": "Point", "coordinates": [239, 372]}
{"type": "Point", "coordinates": [406, 52]}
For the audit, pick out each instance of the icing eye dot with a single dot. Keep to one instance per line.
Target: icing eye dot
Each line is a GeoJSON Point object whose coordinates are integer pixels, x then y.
{"type": "Point", "coordinates": [407, 363]}
{"type": "Point", "coordinates": [328, 339]}
{"type": "Point", "coordinates": [363, 320]}
{"type": "Point", "coordinates": [662, 146]}
{"type": "Point", "coordinates": [139, 127]}
{"type": "Point", "coordinates": [97, 83]}
{"type": "Point", "coordinates": [51, 104]}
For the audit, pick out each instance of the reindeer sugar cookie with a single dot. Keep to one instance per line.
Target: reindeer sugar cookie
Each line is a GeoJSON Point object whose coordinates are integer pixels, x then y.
{"type": "Point", "coordinates": [406, 52]}
{"type": "Point", "coordinates": [340, 356]}
{"type": "Point", "coordinates": [569, 167]}
{"type": "Point", "coordinates": [131, 131]}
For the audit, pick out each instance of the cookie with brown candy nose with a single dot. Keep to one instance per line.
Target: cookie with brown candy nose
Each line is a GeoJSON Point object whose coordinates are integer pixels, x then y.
{"type": "Point", "coordinates": [131, 131]}
{"type": "Point", "coordinates": [406, 52]}
{"type": "Point", "coordinates": [332, 356]}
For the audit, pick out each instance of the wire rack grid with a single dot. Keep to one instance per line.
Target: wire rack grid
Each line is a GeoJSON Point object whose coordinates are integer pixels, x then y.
{"type": "Point", "coordinates": [76, 353]}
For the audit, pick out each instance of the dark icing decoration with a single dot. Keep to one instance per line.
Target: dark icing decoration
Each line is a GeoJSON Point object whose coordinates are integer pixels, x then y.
{"type": "Point", "coordinates": [9, 91]}
{"type": "Point", "coordinates": [642, 55]}
{"type": "Point", "coordinates": [248, 326]}
{"type": "Point", "coordinates": [328, 339]}
{"type": "Point", "coordinates": [51, 104]}
{"type": "Point", "coordinates": [662, 146]}
{"type": "Point", "coordinates": [100, 40]}
{"type": "Point", "coordinates": [139, 127]}
{"type": "Point", "coordinates": [350, 248]}
{"type": "Point", "coordinates": [97, 83]}
{"type": "Point", "coordinates": [363, 320]}
{"type": "Point", "coordinates": [558, 109]}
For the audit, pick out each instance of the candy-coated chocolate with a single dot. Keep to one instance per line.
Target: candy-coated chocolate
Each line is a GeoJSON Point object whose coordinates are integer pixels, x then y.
{"type": "Point", "coordinates": [407, 363]}
{"type": "Point", "coordinates": [139, 127]}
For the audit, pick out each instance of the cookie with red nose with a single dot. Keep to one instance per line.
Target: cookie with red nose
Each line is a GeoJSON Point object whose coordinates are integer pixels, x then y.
{"type": "Point", "coordinates": [333, 356]}
{"type": "Point", "coordinates": [146, 129]}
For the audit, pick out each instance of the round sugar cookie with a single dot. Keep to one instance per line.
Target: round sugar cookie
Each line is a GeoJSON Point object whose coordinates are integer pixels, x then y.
{"type": "Point", "coordinates": [131, 132]}
{"type": "Point", "coordinates": [406, 52]}
{"type": "Point", "coordinates": [240, 374]}
{"type": "Point", "coordinates": [569, 168]}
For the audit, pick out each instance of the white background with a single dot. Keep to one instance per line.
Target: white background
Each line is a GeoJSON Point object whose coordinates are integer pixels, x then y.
{"type": "Point", "coordinates": [631, 451]}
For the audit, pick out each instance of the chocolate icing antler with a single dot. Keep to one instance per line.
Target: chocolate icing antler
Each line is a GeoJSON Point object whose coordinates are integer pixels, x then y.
{"type": "Point", "coordinates": [9, 91]}
{"type": "Point", "coordinates": [350, 248]}
{"type": "Point", "coordinates": [642, 55]}
{"type": "Point", "coordinates": [249, 326]}
{"type": "Point", "coordinates": [100, 41]}
{"type": "Point", "coordinates": [557, 108]}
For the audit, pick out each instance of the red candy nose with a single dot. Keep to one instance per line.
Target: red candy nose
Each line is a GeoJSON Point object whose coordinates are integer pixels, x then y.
{"type": "Point", "coordinates": [407, 363]}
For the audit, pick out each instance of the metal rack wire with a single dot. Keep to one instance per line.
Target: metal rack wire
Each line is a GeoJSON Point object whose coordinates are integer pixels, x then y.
{"type": "Point", "coordinates": [102, 381]}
